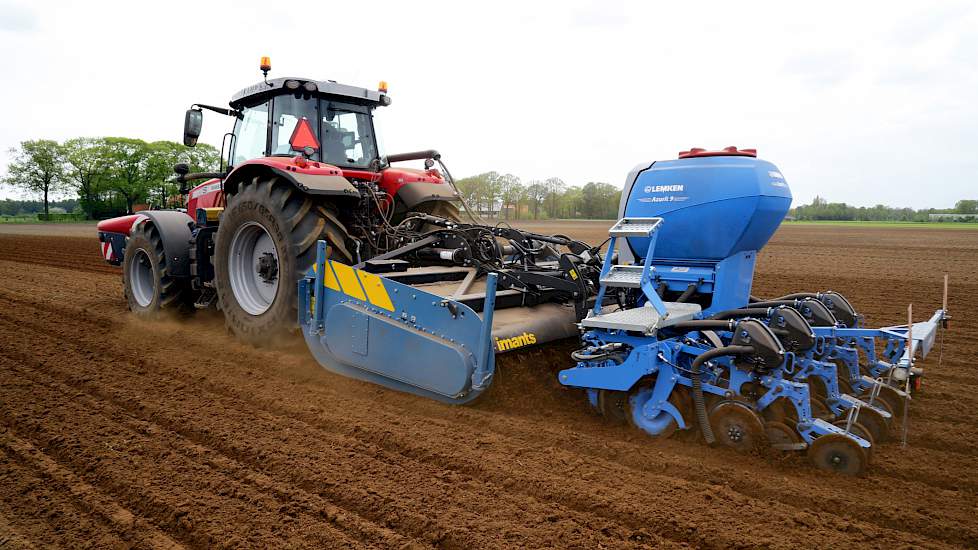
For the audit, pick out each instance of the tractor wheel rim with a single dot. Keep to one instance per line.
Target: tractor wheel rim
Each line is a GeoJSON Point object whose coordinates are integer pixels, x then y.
{"type": "Point", "coordinates": [142, 279]}
{"type": "Point", "coordinates": [250, 285]}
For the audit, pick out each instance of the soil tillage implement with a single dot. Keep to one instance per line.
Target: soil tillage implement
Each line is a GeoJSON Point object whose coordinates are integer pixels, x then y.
{"type": "Point", "coordinates": [435, 330]}
{"type": "Point", "coordinates": [686, 345]}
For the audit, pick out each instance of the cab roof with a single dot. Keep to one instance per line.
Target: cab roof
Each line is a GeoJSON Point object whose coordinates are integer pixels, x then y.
{"type": "Point", "coordinates": [321, 88]}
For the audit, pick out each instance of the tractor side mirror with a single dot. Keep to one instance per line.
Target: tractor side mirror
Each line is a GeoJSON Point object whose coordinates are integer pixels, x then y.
{"type": "Point", "coordinates": [192, 124]}
{"type": "Point", "coordinates": [181, 168]}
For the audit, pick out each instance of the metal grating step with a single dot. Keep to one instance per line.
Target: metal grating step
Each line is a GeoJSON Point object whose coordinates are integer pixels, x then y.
{"type": "Point", "coordinates": [628, 276]}
{"type": "Point", "coordinates": [643, 319]}
{"type": "Point", "coordinates": [635, 227]}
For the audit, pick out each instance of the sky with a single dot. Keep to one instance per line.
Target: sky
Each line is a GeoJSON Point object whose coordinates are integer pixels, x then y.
{"type": "Point", "coordinates": [858, 102]}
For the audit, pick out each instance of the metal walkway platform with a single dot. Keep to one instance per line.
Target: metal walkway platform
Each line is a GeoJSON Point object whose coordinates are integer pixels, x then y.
{"type": "Point", "coordinates": [643, 319]}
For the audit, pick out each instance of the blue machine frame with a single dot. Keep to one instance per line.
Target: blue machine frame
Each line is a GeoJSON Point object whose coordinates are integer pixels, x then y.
{"type": "Point", "coordinates": [369, 327]}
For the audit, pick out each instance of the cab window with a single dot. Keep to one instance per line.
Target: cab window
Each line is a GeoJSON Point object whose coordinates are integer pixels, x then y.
{"type": "Point", "coordinates": [251, 134]}
{"type": "Point", "coordinates": [287, 112]}
{"type": "Point", "coordinates": [347, 135]}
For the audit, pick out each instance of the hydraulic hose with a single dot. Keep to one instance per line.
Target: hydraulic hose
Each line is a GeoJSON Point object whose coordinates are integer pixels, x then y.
{"type": "Point", "coordinates": [687, 293]}
{"type": "Point", "coordinates": [773, 303]}
{"type": "Point", "coordinates": [698, 403]}
{"type": "Point", "coordinates": [797, 296]}
{"type": "Point", "coordinates": [706, 324]}
{"type": "Point", "coordinates": [743, 312]}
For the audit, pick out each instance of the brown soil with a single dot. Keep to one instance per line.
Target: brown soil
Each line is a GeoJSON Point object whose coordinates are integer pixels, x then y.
{"type": "Point", "coordinates": [119, 433]}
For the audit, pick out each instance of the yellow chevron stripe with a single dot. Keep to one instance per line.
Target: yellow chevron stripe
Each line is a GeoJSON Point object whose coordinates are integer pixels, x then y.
{"type": "Point", "coordinates": [348, 280]}
{"type": "Point", "coordinates": [329, 280]}
{"type": "Point", "coordinates": [376, 291]}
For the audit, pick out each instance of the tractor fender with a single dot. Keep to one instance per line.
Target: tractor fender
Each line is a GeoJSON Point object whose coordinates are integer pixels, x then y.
{"type": "Point", "coordinates": [415, 193]}
{"type": "Point", "coordinates": [324, 180]}
{"type": "Point", "coordinates": [175, 229]}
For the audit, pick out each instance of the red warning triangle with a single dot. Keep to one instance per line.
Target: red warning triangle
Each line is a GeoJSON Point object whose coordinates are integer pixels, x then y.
{"type": "Point", "coordinates": [303, 136]}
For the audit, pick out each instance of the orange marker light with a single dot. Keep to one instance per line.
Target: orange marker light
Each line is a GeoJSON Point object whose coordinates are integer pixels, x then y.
{"type": "Point", "coordinates": [382, 87]}
{"type": "Point", "coordinates": [266, 64]}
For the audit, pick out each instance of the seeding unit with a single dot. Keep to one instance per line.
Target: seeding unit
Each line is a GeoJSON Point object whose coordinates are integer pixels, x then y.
{"type": "Point", "coordinates": [673, 338]}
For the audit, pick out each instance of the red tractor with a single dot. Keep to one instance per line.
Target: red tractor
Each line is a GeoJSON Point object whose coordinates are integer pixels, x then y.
{"type": "Point", "coordinates": [304, 164]}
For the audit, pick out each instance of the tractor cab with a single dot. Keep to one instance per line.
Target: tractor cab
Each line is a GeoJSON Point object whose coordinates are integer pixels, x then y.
{"type": "Point", "coordinates": [322, 121]}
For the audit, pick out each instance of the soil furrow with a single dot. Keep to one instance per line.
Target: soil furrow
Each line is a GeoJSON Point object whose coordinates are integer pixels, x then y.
{"type": "Point", "coordinates": [173, 419]}
{"type": "Point", "coordinates": [871, 513]}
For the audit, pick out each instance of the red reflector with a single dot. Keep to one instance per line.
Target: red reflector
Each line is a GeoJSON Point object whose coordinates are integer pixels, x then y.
{"type": "Point", "coordinates": [725, 152]}
{"type": "Point", "coordinates": [303, 136]}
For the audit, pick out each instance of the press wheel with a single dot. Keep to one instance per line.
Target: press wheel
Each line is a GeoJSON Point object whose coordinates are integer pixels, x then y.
{"type": "Point", "coordinates": [859, 430]}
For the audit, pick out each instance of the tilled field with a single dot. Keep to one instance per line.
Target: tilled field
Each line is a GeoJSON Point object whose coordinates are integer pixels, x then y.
{"type": "Point", "coordinates": [118, 433]}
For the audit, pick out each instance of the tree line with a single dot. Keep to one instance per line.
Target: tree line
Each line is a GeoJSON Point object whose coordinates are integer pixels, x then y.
{"type": "Point", "coordinates": [110, 175]}
{"type": "Point", "coordinates": [505, 196]}
{"type": "Point", "coordinates": [821, 209]}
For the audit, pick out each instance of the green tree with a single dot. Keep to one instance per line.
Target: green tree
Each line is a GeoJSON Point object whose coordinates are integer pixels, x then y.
{"type": "Point", "coordinates": [128, 164]}
{"type": "Point", "coordinates": [87, 163]}
{"type": "Point", "coordinates": [163, 155]}
{"type": "Point", "coordinates": [599, 200]}
{"type": "Point", "coordinates": [966, 206]}
{"type": "Point", "coordinates": [536, 193]}
{"type": "Point", "coordinates": [37, 167]}
{"type": "Point", "coordinates": [570, 203]}
{"type": "Point", "coordinates": [510, 189]}
{"type": "Point", "coordinates": [555, 187]}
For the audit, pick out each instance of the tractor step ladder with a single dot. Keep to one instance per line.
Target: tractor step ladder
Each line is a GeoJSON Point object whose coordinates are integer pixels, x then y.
{"type": "Point", "coordinates": [655, 313]}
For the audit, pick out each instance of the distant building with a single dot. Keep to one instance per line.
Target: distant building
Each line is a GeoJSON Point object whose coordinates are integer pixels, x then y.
{"type": "Point", "coordinates": [952, 217]}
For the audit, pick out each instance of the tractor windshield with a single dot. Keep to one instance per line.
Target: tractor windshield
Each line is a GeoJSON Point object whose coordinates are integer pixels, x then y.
{"type": "Point", "coordinates": [344, 132]}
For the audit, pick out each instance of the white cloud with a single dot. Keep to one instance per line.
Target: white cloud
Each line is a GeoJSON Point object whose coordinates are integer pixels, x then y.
{"type": "Point", "coordinates": [866, 104]}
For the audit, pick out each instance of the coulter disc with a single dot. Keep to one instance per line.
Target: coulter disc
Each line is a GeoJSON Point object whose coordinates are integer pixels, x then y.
{"type": "Point", "coordinates": [781, 436]}
{"type": "Point", "coordinates": [736, 426]}
{"type": "Point", "coordinates": [837, 453]}
{"type": "Point", "coordinates": [875, 424]}
{"type": "Point", "coordinates": [612, 405]}
{"type": "Point", "coordinates": [892, 399]}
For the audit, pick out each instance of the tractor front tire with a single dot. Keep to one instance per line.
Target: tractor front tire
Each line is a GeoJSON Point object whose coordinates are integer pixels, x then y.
{"type": "Point", "coordinates": [264, 245]}
{"type": "Point", "coordinates": [149, 291]}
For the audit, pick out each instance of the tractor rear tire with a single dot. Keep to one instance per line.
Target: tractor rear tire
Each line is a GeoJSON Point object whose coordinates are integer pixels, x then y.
{"type": "Point", "coordinates": [149, 291]}
{"type": "Point", "coordinates": [264, 245]}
